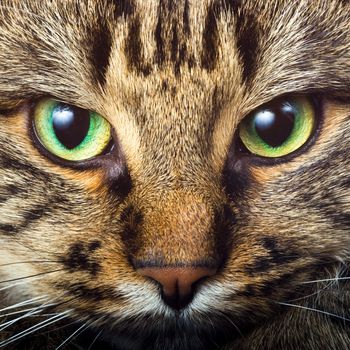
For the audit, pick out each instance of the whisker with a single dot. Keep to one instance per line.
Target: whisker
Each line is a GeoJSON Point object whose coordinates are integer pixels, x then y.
{"type": "Point", "coordinates": [23, 303]}
{"type": "Point", "coordinates": [32, 312]}
{"type": "Point", "coordinates": [95, 340]}
{"type": "Point", "coordinates": [31, 276]}
{"type": "Point", "coordinates": [315, 310]}
{"type": "Point", "coordinates": [30, 262]}
{"type": "Point", "coordinates": [23, 282]}
{"type": "Point", "coordinates": [73, 335]}
{"type": "Point", "coordinates": [231, 322]}
{"type": "Point", "coordinates": [35, 328]}
{"type": "Point", "coordinates": [327, 280]}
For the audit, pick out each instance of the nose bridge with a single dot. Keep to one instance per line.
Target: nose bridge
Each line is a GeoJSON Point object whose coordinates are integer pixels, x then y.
{"type": "Point", "coordinates": [177, 229]}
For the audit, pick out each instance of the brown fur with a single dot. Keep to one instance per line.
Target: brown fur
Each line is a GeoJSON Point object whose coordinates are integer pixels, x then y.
{"type": "Point", "coordinates": [175, 79]}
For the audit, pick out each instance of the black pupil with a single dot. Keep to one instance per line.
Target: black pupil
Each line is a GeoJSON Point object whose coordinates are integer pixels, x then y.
{"type": "Point", "coordinates": [71, 125]}
{"type": "Point", "coordinates": [274, 125]}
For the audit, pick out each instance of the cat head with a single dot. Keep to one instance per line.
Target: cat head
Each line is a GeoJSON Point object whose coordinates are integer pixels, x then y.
{"type": "Point", "coordinates": [180, 218]}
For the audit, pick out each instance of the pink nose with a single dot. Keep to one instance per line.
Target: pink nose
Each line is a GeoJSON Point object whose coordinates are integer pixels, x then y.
{"type": "Point", "coordinates": [177, 283]}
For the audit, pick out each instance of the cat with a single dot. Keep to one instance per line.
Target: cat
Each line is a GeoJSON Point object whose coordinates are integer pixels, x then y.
{"type": "Point", "coordinates": [175, 174]}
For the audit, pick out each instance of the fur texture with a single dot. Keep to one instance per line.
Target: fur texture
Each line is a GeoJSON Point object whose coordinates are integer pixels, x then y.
{"type": "Point", "coordinates": [174, 79]}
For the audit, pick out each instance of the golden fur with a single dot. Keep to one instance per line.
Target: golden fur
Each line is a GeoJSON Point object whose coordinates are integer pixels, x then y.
{"type": "Point", "coordinates": [174, 79]}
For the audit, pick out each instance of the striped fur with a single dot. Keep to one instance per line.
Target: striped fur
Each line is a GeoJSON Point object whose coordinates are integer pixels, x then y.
{"type": "Point", "coordinates": [174, 79]}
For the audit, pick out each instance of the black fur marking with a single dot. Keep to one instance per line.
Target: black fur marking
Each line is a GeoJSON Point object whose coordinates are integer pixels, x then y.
{"type": "Point", "coordinates": [9, 191]}
{"type": "Point", "coordinates": [132, 220]}
{"type": "Point", "coordinates": [223, 226]}
{"type": "Point", "coordinates": [80, 258]}
{"type": "Point", "coordinates": [236, 177]}
{"type": "Point", "coordinates": [275, 257]}
{"type": "Point", "coordinates": [186, 18]}
{"type": "Point", "coordinates": [8, 229]}
{"type": "Point", "coordinates": [94, 245]}
{"type": "Point", "coordinates": [124, 8]}
{"type": "Point", "coordinates": [247, 34]}
{"type": "Point", "coordinates": [210, 38]}
{"type": "Point", "coordinates": [159, 55]}
{"type": "Point", "coordinates": [35, 214]}
{"type": "Point", "coordinates": [133, 49]}
{"type": "Point", "coordinates": [29, 217]}
{"type": "Point", "coordinates": [23, 167]}
{"type": "Point", "coordinates": [82, 291]}
{"type": "Point", "coordinates": [100, 52]}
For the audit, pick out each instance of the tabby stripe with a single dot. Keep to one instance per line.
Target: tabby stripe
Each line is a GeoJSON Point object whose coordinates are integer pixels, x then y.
{"type": "Point", "coordinates": [124, 8]}
{"type": "Point", "coordinates": [133, 48]}
{"type": "Point", "coordinates": [247, 36]}
{"type": "Point", "coordinates": [29, 217]}
{"type": "Point", "coordinates": [160, 54]}
{"type": "Point", "coordinates": [23, 167]}
{"type": "Point", "coordinates": [210, 37]}
{"type": "Point", "coordinates": [8, 192]}
{"type": "Point", "coordinates": [8, 229]}
{"type": "Point", "coordinates": [100, 51]}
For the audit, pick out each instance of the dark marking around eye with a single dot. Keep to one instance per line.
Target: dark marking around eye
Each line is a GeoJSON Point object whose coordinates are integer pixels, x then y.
{"type": "Point", "coordinates": [236, 177]}
{"type": "Point", "coordinates": [80, 257]}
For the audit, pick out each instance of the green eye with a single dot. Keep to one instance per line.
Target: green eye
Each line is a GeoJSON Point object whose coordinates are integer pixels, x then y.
{"type": "Point", "coordinates": [70, 132]}
{"type": "Point", "coordinates": [279, 128]}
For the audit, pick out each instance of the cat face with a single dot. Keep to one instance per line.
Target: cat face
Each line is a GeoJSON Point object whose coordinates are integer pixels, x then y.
{"type": "Point", "coordinates": [180, 223]}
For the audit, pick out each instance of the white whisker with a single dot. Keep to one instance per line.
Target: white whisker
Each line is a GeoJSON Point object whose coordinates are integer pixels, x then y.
{"type": "Point", "coordinates": [328, 280]}
{"type": "Point", "coordinates": [31, 276]}
{"type": "Point", "coordinates": [315, 310]}
{"type": "Point", "coordinates": [23, 303]}
{"type": "Point", "coordinates": [35, 328]}
{"type": "Point", "coordinates": [28, 280]}
{"type": "Point", "coordinates": [73, 335]}
{"type": "Point", "coordinates": [95, 339]}
{"type": "Point", "coordinates": [32, 312]}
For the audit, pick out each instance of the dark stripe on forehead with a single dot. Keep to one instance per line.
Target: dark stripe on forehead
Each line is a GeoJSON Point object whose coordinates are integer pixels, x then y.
{"type": "Point", "coordinates": [100, 52]}
{"type": "Point", "coordinates": [210, 37]}
{"type": "Point", "coordinates": [247, 36]}
{"type": "Point", "coordinates": [101, 39]}
{"type": "Point", "coordinates": [124, 8]}
{"type": "Point", "coordinates": [160, 54]}
{"type": "Point", "coordinates": [134, 50]}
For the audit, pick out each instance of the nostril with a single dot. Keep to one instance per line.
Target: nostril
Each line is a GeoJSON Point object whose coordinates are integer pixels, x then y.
{"type": "Point", "coordinates": [177, 282]}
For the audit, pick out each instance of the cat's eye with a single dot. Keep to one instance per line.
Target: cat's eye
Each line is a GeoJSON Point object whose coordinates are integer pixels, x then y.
{"type": "Point", "coordinates": [278, 128]}
{"type": "Point", "coordinates": [70, 132]}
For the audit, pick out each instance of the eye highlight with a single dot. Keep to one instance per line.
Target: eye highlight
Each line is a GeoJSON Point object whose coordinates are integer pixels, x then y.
{"type": "Point", "coordinates": [70, 132]}
{"type": "Point", "coordinates": [278, 128]}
